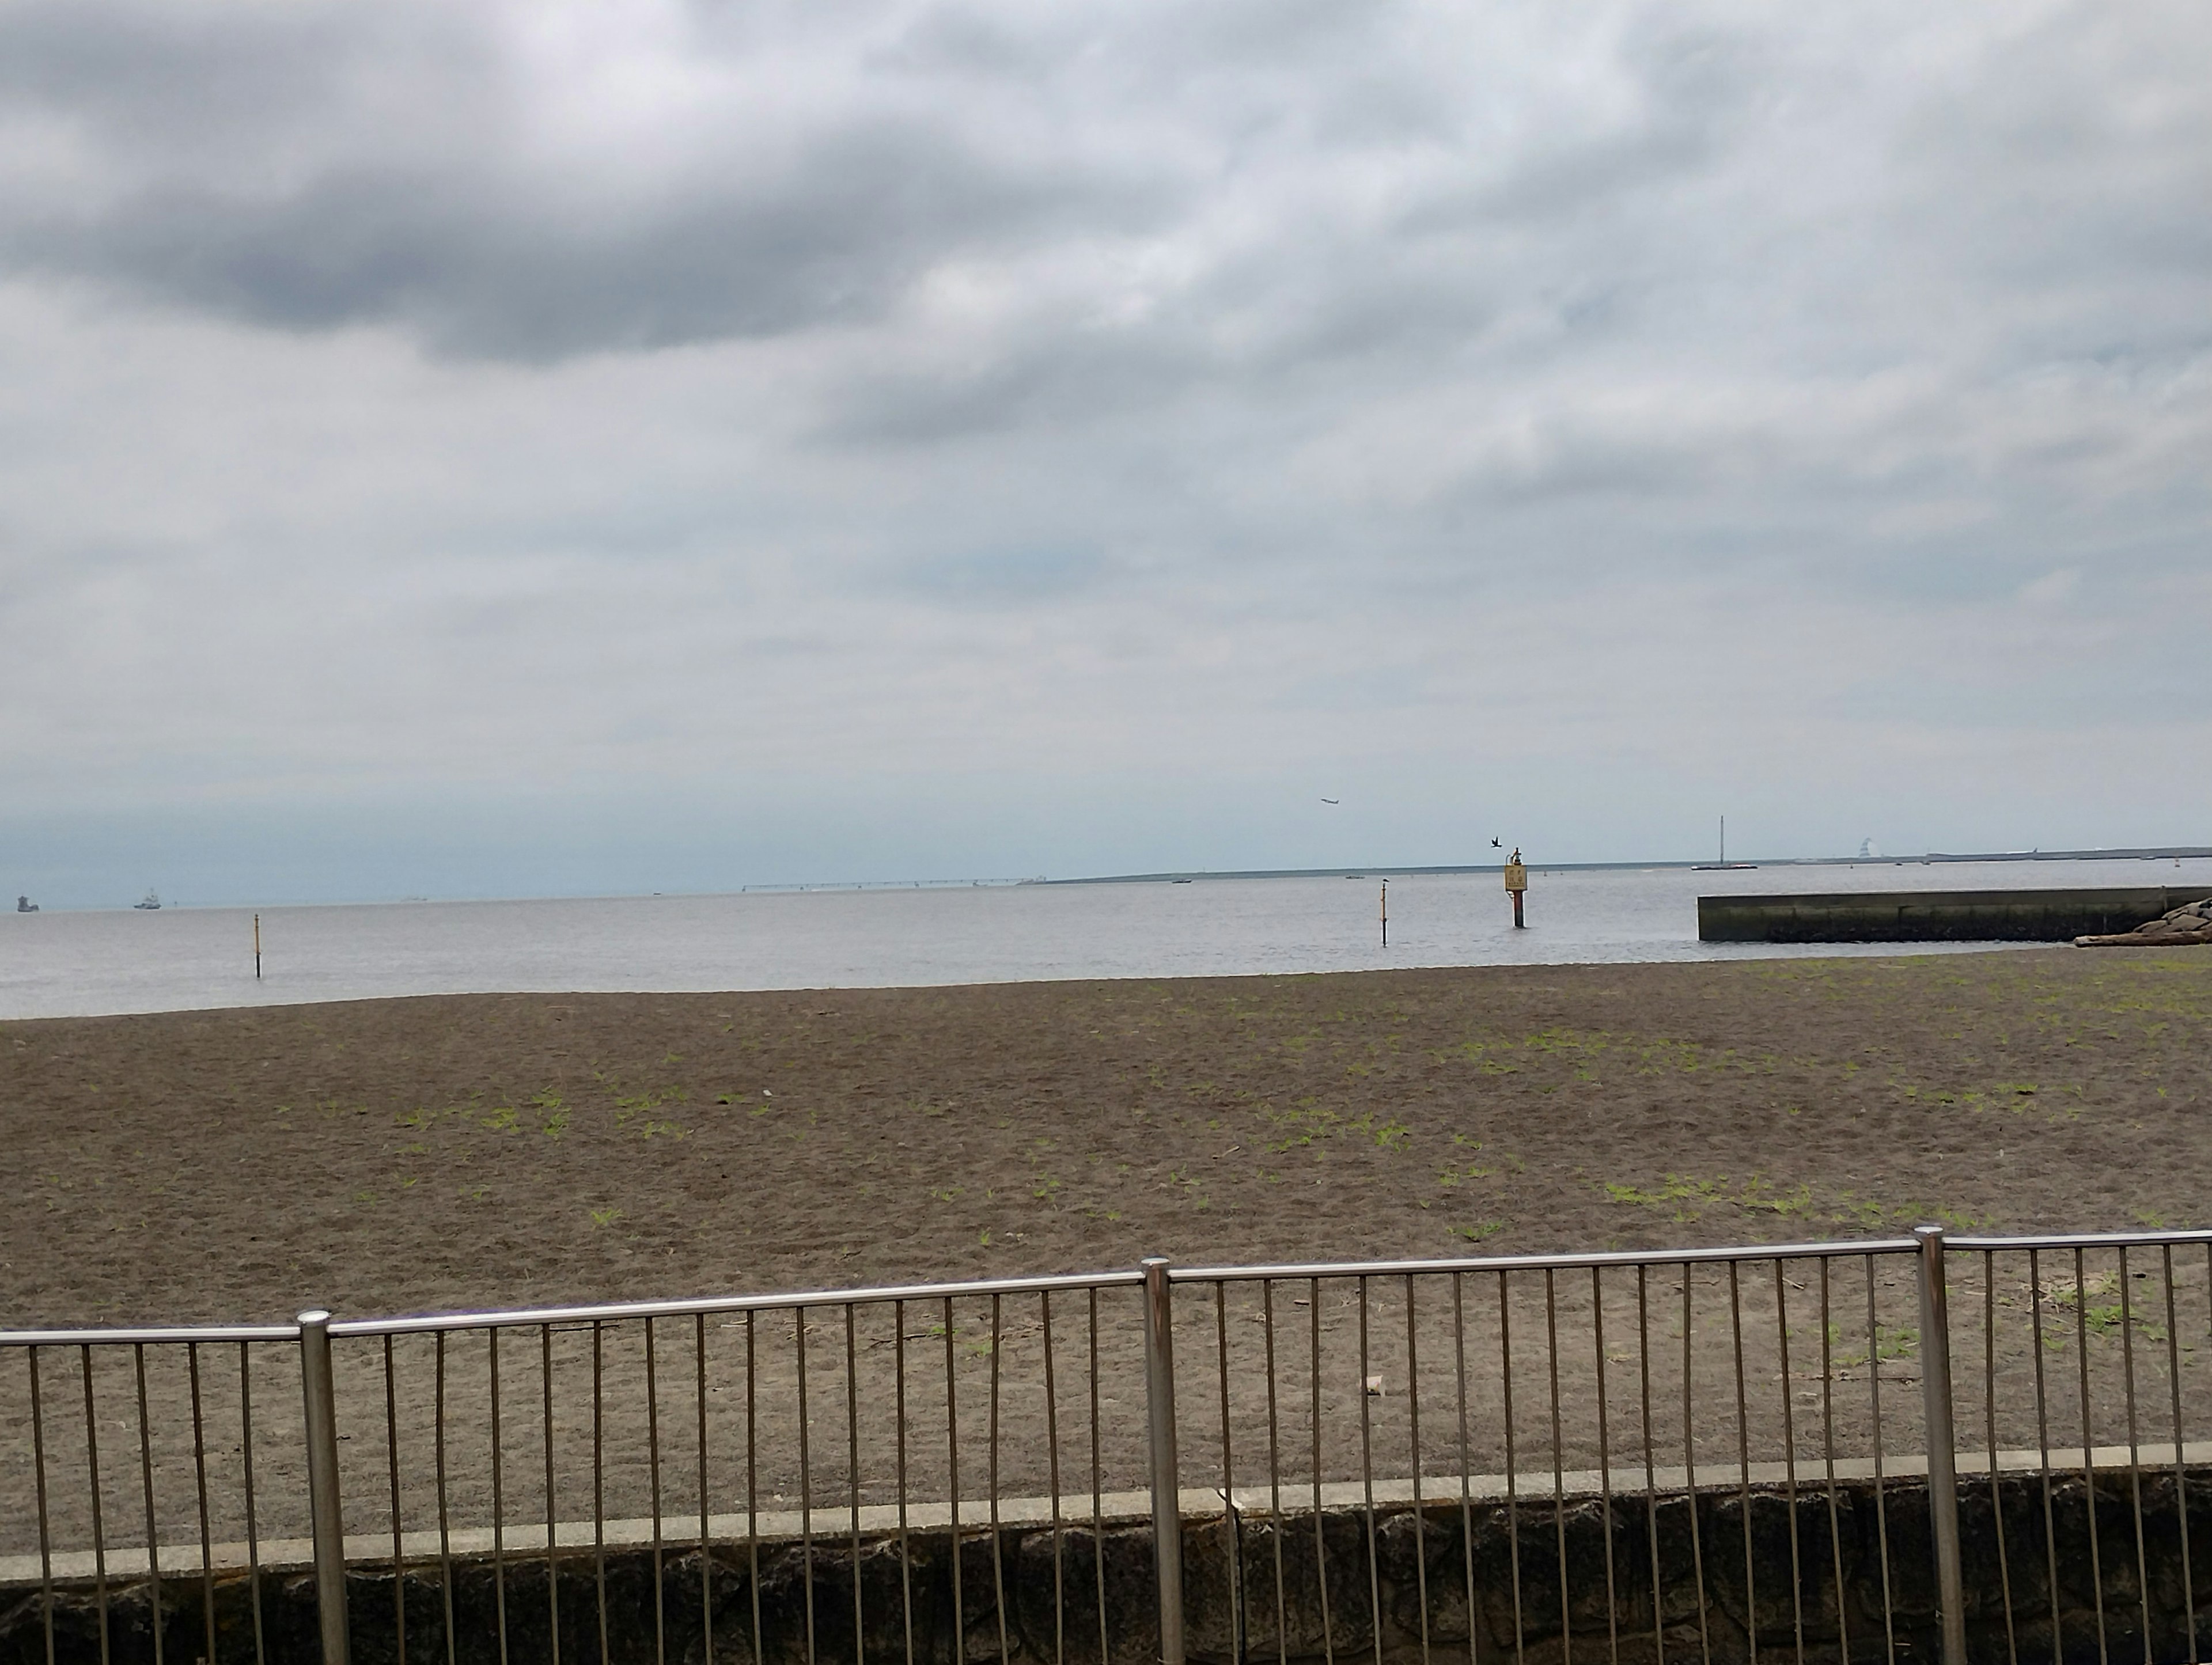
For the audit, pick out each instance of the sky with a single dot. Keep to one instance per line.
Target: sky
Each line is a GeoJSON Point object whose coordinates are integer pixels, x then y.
{"type": "Point", "coordinates": [455, 448]}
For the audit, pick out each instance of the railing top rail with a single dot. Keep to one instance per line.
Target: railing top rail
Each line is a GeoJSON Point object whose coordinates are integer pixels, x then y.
{"type": "Point", "coordinates": [523, 1317]}
{"type": "Point", "coordinates": [149, 1335]}
{"type": "Point", "coordinates": [785, 1300]}
{"type": "Point", "coordinates": [1194, 1274]}
{"type": "Point", "coordinates": [2083, 1240]}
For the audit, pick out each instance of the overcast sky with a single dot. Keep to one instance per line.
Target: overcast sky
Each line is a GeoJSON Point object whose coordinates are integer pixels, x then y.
{"type": "Point", "coordinates": [457, 448]}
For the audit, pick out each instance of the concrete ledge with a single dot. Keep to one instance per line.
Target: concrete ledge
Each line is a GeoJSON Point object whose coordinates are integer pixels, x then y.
{"type": "Point", "coordinates": [1626, 1484]}
{"type": "Point", "coordinates": [1933, 915]}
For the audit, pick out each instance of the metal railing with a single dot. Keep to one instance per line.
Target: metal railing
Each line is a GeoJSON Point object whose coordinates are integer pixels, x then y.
{"type": "Point", "coordinates": [1676, 1451]}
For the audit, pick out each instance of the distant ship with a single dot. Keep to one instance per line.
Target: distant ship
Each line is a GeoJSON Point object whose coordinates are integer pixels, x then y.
{"type": "Point", "coordinates": [25, 905]}
{"type": "Point", "coordinates": [151, 902]}
{"type": "Point", "coordinates": [1724, 866]}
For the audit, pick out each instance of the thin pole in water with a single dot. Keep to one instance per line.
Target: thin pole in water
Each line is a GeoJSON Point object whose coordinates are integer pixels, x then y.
{"type": "Point", "coordinates": [257, 948]}
{"type": "Point", "coordinates": [1386, 913]}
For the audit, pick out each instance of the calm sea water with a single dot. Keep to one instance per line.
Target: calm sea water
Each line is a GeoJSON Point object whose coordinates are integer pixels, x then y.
{"type": "Point", "coordinates": [56, 965]}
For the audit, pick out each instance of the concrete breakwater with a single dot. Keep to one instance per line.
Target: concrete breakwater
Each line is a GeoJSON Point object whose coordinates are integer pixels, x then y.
{"type": "Point", "coordinates": [1845, 1576]}
{"type": "Point", "coordinates": [1934, 915]}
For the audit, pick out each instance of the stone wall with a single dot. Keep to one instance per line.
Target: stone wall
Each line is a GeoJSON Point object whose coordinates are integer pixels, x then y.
{"type": "Point", "coordinates": [1354, 1596]}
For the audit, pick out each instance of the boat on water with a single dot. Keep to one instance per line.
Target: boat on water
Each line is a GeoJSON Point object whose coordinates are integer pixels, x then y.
{"type": "Point", "coordinates": [1724, 866]}
{"type": "Point", "coordinates": [25, 905]}
{"type": "Point", "coordinates": [151, 902]}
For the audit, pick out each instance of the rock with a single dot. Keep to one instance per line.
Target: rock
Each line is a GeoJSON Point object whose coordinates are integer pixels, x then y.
{"type": "Point", "coordinates": [2188, 925]}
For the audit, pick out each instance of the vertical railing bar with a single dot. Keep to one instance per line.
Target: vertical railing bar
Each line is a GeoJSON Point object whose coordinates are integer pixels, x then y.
{"type": "Point", "coordinates": [146, 1481]}
{"type": "Point", "coordinates": [652, 1487]}
{"type": "Point", "coordinates": [1690, 1469]}
{"type": "Point", "coordinates": [498, 1495]}
{"type": "Point", "coordinates": [852, 1476]}
{"type": "Point", "coordinates": [1230, 1516]}
{"type": "Point", "coordinates": [2042, 1453]}
{"type": "Point", "coordinates": [1052, 1482]}
{"type": "Point", "coordinates": [45, 1527]}
{"type": "Point", "coordinates": [392, 1467]}
{"type": "Point", "coordinates": [1466, 1458]}
{"type": "Point", "coordinates": [1881, 1488]}
{"type": "Point", "coordinates": [805, 1480]}
{"type": "Point", "coordinates": [998, 1568]}
{"type": "Point", "coordinates": [1512, 1466]}
{"type": "Point", "coordinates": [552, 1514]}
{"type": "Point", "coordinates": [2135, 1450]}
{"type": "Point", "coordinates": [599, 1478]}
{"type": "Point", "coordinates": [1558, 1465]}
{"type": "Point", "coordinates": [1743, 1459]}
{"type": "Point", "coordinates": [1097, 1482]}
{"type": "Point", "coordinates": [2180, 1468]}
{"type": "Point", "coordinates": [98, 1532]}
{"type": "Point", "coordinates": [2088, 1449]}
{"type": "Point", "coordinates": [706, 1556]}
{"type": "Point", "coordinates": [1414, 1449]}
{"type": "Point", "coordinates": [1166, 1487]}
{"type": "Point", "coordinates": [445, 1534]}
{"type": "Point", "coordinates": [1321, 1547]}
{"type": "Point", "coordinates": [1604, 1466]}
{"type": "Point", "coordinates": [898, 1464]}
{"type": "Point", "coordinates": [252, 1525]}
{"type": "Point", "coordinates": [1828, 1456]}
{"type": "Point", "coordinates": [1789, 1461]}
{"type": "Point", "coordinates": [1650, 1465]}
{"type": "Point", "coordinates": [1367, 1484]}
{"type": "Point", "coordinates": [1990, 1410]}
{"type": "Point", "coordinates": [752, 1478]}
{"type": "Point", "coordinates": [1275, 1528]}
{"type": "Point", "coordinates": [317, 1390]}
{"type": "Point", "coordinates": [199, 1477]}
{"type": "Point", "coordinates": [952, 1490]}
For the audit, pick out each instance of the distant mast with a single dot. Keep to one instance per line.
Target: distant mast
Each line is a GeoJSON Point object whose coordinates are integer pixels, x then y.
{"type": "Point", "coordinates": [1724, 840]}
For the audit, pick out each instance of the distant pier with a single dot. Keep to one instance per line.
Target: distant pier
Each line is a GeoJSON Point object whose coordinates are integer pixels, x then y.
{"type": "Point", "coordinates": [1935, 915]}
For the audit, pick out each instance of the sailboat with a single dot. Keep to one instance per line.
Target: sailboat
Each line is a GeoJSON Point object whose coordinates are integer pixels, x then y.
{"type": "Point", "coordinates": [1724, 866]}
{"type": "Point", "coordinates": [151, 902]}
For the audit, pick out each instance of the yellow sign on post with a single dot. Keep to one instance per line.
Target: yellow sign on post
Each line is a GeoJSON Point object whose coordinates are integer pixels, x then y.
{"type": "Point", "coordinates": [1517, 884]}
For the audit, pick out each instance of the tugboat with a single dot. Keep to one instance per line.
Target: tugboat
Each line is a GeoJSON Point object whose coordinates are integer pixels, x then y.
{"type": "Point", "coordinates": [151, 902]}
{"type": "Point", "coordinates": [25, 905]}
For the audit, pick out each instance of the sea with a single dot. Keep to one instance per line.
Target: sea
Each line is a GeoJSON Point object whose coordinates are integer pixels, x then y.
{"type": "Point", "coordinates": [87, 963]}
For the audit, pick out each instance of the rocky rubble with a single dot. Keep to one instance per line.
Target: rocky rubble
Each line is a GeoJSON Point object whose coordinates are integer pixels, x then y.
{"type": "Point", "coordinates": [2189, 923]}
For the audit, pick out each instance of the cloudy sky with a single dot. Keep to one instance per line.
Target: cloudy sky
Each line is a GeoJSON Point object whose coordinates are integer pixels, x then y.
{"type": "Point", "coordinates": [464, 448]}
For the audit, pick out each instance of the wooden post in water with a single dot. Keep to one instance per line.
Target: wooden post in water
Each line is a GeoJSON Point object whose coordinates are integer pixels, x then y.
{"type": "Point", "coordinates": [257, 948]}
{"type": "Point", "coordinates": [1386, 913]}
{"type": "Point", "coordinates": [1517, 884]}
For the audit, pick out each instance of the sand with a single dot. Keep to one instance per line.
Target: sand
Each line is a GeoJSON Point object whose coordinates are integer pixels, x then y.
{"type": "Point", "coordinates": [408, 1155]}
{"type": "Point", "coordinates": [444, 1153]}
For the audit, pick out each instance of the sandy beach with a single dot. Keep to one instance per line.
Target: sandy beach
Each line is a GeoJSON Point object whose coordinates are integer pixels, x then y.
{"type": "Point", "coordinates": [416, 1154]}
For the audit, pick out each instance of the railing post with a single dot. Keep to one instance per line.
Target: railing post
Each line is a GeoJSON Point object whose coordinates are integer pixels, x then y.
{"type": "Point", "coordinates": [323, 1482]}
{"type": "Point", "coordinates": [1942, 1441]}
{"type": "Point", "coordinates": [1167, 1485]}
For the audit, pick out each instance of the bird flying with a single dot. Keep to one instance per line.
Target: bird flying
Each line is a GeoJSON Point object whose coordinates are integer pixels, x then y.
{"type": "Point", "coordinates": [1332, 800]}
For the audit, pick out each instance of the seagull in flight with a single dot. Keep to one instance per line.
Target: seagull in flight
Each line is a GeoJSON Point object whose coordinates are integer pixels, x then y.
{"type": "Point", "coordinates": [1332, 800]}
{"type": "Point", "coordinates": [1495, 845]}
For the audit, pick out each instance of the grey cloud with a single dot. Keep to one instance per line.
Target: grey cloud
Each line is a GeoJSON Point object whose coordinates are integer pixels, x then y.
{"type": "Point", "coordinates": [481, 271]}
{"type": "Point", "coordinates": [459, 238]}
